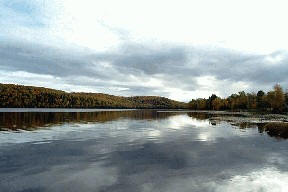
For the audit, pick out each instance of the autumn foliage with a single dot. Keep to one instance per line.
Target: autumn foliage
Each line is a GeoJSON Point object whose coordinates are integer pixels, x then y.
{"type": "Point", "coordinates": [38, 97]}
{"type": "Point", "coordinates": [273, 101]}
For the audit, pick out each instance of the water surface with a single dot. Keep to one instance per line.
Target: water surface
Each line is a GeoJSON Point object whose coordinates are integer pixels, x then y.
{"type": "Point", "coordinates": [138, 150]}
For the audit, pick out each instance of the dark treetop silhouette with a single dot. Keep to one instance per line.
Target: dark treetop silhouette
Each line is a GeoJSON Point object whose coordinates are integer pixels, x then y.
{"type": "Point", "coordinates": [19, 96]}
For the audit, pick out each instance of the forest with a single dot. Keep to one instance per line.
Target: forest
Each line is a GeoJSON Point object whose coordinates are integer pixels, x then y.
{"type": "Point", "coordinates": [19, 96]}
{"type": "Point", "coordinates": [275, 101]}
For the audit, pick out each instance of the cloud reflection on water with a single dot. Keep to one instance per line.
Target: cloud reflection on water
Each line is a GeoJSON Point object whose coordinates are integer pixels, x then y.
{"type": "Point", "coordinates": [170, 152]}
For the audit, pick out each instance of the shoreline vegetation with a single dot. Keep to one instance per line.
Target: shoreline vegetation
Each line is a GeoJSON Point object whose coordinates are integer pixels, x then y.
{"type": "Point", "coordinates": [275, 101]}
{"type": "Point", "coordinates": [20, 96]}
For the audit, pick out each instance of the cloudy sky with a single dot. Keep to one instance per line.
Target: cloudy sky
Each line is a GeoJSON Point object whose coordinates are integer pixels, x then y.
{"type": "Point", "coordinates": [180, 49]}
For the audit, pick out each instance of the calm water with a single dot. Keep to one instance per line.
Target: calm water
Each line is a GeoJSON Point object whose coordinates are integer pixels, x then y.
{"type": "Point", "coordinates": [133, 151]}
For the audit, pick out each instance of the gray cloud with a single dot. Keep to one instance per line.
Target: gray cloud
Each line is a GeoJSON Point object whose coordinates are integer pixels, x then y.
{"type": "Point", "coordinates": [130, 68]}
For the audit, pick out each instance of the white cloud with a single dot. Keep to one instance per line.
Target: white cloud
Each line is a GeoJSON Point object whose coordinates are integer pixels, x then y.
{"type": "Point", "coordinates": [257, 26]}
{"type": "Point", "coordinates": [245, 25]}
{"type": "Point", "coordinates": [131, 38]}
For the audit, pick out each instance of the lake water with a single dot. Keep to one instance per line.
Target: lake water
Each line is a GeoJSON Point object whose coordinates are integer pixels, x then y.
{"type": "Point", "coordinates": [136, 151]}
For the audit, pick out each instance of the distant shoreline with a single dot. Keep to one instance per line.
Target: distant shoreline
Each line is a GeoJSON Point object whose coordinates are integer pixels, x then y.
{"type": "Point", "coordinates": [4, 110]}
{"type": "Point", "coordinates": [20, 96]}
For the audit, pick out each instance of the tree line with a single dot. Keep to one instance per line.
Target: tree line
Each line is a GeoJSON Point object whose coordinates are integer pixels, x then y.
{"type": "Point", "coordinates": [275, 100]}
{"type": "Point", "coordinates": [19, 96]}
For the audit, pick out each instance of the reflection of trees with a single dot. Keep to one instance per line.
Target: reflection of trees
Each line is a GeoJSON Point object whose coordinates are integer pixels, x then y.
{"type": "Point", "coordinates": [34, 120]}
{"type": "Point", "coordinates": [277, 130]}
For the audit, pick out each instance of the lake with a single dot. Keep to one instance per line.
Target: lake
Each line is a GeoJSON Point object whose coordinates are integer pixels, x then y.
{"type": "Point", "coordinates": [136, 151]}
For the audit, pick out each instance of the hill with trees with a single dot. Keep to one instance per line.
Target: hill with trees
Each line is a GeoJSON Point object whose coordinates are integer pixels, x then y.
{"type": "Point", "coordinates": [19, 96]}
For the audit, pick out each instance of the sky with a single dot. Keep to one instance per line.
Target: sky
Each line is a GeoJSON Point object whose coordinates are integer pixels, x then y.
{"type": "Point", "coordinates": [180, 49]}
